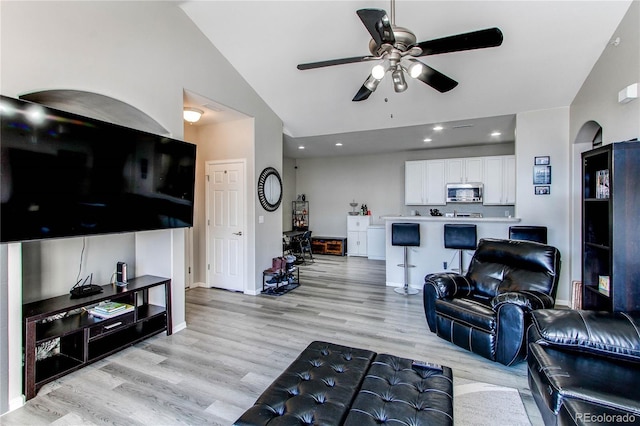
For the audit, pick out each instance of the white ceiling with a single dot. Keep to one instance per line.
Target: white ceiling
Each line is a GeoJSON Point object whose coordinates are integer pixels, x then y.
{"type": "Point", "coordinates": [549, 49]}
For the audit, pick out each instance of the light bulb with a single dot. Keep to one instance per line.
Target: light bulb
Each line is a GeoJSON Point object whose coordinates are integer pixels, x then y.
{"type": "Point", "coordinates": [415, 69]}
{"type": "Point", "coordinates": [378, 72]}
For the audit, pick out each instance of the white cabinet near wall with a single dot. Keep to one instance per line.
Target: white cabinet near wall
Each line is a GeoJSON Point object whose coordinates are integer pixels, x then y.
{"type": "Point", "coordinates": [463, 170]}
{"type": "Point", "coordinates": [499, 180]}
{"type": "Point", "coordinates": [357, 227]}
{"type": "Point", "coordinates": [424, 183]}
{"type": "Point", "coordinates": [376, 242]}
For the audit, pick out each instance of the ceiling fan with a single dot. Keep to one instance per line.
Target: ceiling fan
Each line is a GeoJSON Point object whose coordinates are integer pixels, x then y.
{"type": "Point", "coordinates": [396, 49]}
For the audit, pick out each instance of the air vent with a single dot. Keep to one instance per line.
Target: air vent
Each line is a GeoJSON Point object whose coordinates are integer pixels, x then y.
{"type": "Point", "coordinates": [461, 126]}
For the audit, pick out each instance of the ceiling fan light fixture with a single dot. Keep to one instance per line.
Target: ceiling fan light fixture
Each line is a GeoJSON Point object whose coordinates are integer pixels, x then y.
{"type": "Point", "coordinates": [399, 83]}
{"type": "Point", "coordinates": [372, 83]}
{"type": "Point", "coordinates": [192, 115]}
{"type": "Point", "coordinates": [378, 72]}
{"type": "Point", "coordinates": [415, 69]}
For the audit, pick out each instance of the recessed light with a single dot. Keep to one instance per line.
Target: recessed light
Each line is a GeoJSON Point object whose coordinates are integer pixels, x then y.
{"type": "Point", "coordinates": [338, 143]}
{"type": "Point", "coordinates": [438, 128]}
{"type": "Point", "coordinates": [301, 147]}
{"type": "Point", "coordinates": [496, 134]}
{"type": "Point", "coordinates": [427, 140]}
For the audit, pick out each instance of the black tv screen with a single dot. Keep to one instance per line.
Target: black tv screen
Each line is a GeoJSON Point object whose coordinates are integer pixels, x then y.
{"type": "Point", "coordinates": [64, 175]}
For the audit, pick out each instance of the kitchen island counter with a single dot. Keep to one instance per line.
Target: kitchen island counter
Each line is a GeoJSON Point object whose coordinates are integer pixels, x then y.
{"type": "Point", "coordinates": [464, 219]}
{"type": "Point", "coordinates": [431, 255]}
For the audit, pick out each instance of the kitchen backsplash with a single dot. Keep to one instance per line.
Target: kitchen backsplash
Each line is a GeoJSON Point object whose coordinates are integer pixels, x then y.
{"type": "Point", "coordinates": [486, 211]}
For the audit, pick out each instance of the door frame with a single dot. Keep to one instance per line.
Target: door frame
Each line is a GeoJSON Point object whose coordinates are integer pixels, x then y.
{"type": "Point", "coordinates": [245, 248]}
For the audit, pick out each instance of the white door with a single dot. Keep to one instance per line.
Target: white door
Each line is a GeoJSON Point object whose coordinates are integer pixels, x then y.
{"type": "Point", "coordinates": [225, 225]}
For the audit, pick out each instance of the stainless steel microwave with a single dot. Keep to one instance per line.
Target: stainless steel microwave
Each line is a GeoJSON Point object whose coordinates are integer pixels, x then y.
{"type": "Point", "coordinates": [464, 192]}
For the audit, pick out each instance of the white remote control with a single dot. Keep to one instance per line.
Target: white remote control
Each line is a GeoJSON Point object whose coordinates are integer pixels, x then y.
{"type": "Point", "coordinates": [426, 365]}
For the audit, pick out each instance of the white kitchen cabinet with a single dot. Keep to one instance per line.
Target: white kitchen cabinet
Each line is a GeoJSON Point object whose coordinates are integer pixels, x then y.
{"type": "Point", "coordinates": [435, 183]}
{"type": "Point", "coordinates": [357, 227]}
{"type": "Point", "coordinates": [499, 180]}
{"type": "Point", "coordinates": [510, 179]}
{"type": "Point", "coordinates": [424, 182]}
{"type": "Point", "coordinates": [464, 170]}
{"type": "Point", "coordinates": [376, 242]}
{"type": "Point", "coordinates": [414, 182]}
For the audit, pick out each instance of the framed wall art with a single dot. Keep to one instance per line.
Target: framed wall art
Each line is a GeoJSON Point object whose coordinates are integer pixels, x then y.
{"type": "Point", "coordinates": [542, 161]}
{"type": "Point", "coordinates": [542, 190]}
{"type": "Point", "coordinates": [542, 175]}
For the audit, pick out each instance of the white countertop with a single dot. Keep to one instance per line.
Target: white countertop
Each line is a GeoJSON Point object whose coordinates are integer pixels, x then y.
{"type": "Point", "coordinates": [453, 219]}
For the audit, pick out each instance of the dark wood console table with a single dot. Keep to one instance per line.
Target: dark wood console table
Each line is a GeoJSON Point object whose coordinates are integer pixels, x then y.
{"type": "Point", "coordinates": [82, 338]}
{"type": "Point", "coordinates": [329, 245]}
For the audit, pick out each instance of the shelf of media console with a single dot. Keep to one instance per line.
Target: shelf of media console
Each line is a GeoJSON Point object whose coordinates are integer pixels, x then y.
{"type": "Point", "coordinates": [82, 338]}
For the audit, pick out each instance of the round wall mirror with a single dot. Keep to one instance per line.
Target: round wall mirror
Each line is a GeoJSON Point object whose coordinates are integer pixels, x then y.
{"type": "Point", "coordinates": [270, 189]}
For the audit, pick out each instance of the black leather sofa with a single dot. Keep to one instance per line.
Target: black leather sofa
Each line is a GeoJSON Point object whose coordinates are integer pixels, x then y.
{"type": "Point", "coordinates": [584, 366]}
{"type": "Point", "coordinates": [486, 311]}
{"type": "Point", "coordinates": [330, 384]}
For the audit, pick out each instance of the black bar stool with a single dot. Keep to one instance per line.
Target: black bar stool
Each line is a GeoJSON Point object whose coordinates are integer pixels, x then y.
{"type": "Point", "coordinates": [528, 233]}
{"type": "Point", "coordinates": [405, 235]}
{"type": "Point", "coordinates": [460, 237]}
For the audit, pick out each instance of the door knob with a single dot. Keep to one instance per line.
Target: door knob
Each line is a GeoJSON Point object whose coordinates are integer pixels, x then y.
{"type": "Point", "coordinates": [239, 233]}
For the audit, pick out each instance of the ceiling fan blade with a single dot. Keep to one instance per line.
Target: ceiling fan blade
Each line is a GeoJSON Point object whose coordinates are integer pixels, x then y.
{"type": "Point", "coordinates": [378, 25]}
{"type": "Point", "coordinates": [363, 93]}
{"type": "Point", "coordinates": [435, 78]}
{"type": "Point", "coordinates": [490, 37]}
{"type": "Point", "coordinates": [332, 62]}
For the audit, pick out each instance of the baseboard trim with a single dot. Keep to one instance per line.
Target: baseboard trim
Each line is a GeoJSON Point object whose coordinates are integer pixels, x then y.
{"type": "Point", "coordinates": [178, 328]}
{"type": "Point", "coordinates": [16, 403]}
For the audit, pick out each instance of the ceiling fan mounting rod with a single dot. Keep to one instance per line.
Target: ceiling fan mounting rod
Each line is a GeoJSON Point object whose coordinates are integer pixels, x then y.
{"type": "Point", "coordinates": [393, 13]}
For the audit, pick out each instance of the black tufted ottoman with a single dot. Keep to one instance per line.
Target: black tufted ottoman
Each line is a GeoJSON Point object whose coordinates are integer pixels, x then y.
{"type": "Point", "coordinates": [330, 384]}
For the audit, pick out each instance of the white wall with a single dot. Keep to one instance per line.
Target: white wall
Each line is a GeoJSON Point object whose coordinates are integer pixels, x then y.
{"type": "Point", "coordinates": [546, 133]}
{"type": "Point", "coordinates": [331, 183]}
{"type": "Point", "coordinates": [142, 53]}
{"type": "Point", "coordinates": [220, 141]}
{"type": "Point", "coordinates": [4, 326]}
{"type": "Point", "coordinates": [617, 67]}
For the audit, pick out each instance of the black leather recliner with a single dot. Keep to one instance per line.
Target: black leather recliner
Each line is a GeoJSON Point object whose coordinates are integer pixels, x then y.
{"type": "Point", "coordinates": [487, 310]}
{"type": "Point", "coordinates": [584, 366]}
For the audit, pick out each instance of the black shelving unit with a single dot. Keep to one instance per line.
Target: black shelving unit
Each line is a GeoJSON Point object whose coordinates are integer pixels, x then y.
{"type": "Point", "coordinates": [81, 338]}
{"type": "Point", "coordinates": [611, 227]}
{"type": "Point", "coordinates": [300, 216]}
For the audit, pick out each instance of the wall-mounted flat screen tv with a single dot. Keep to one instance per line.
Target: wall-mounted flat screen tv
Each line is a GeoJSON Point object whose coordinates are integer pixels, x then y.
{"type": "Point", "coordinates": [64, 175]}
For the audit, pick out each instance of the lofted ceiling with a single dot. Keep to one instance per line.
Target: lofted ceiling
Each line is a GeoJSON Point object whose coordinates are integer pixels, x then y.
{"type": "Point", "coordinates": [548, 50]}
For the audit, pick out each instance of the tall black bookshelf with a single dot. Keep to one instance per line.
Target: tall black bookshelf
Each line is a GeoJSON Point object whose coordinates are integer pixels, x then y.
{"type": "Point", "coordinates": [611, 227]}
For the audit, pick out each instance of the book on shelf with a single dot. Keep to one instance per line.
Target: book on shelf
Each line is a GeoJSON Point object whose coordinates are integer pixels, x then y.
{"type": "Point", "coordinates": [602, 183]}
{"type": "Point", "coordinates": [603, 284]}
{"type": "Point", "coordinates": [97, 313]}
{"type": "Point", "coordinates": [109, 307]}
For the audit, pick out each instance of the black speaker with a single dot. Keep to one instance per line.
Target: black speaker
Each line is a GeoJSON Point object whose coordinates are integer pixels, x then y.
{"type": "Point", "coordinates": [121, 273]}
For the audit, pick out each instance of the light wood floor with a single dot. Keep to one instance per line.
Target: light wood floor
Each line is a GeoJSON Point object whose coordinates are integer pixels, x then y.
{"type": "Point", "coordinates": [235, 345]}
